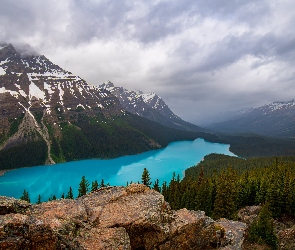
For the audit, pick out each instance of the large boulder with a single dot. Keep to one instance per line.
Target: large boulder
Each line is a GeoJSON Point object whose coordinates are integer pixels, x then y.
{"type": "Point", "coordinates": [134, 217]}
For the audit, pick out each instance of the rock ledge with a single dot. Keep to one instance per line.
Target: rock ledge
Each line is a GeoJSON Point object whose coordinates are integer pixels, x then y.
{"type": "Point", "coordinates": [134, 217]}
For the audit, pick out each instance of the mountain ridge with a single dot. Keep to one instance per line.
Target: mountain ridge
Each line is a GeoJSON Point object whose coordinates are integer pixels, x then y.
{"type": "Point", "coordinates": [274, 119]}
{"type": "Point", "coordinates": [49, 115]}
{"type": "Point", "coordinates": [150, 106]}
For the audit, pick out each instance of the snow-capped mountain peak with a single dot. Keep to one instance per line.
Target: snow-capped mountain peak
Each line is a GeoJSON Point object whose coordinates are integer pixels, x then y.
{"type": "Point", "coordinates": [29, 81]}
{"type": "Point", "coordinates": [281, 105]}
{"type": "Point", "coordinates": [274, 119]}
{"type": "Point", "coordinates": [150, 106]}
{"type": "Point", "coordinates": [147, 97]}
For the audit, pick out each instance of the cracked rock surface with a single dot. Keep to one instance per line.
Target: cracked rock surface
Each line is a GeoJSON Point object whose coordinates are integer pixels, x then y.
{"type": "Point", "coordinates": [133, 217]}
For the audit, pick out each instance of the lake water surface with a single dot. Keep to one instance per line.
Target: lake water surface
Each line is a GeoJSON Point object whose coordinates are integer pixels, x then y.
{"type": "Point", "coordinates": [56, 179]}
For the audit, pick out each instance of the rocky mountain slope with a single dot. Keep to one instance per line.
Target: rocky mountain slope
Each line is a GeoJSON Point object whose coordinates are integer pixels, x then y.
{"type": "Point", "coordinates": [134, 217]}
{"type": "Point", "coordinates": [49, 115]}
{"type": "Point", "coordinates": [150, 106]}
{"type": "Point", "coordinates": [32, 88]}
{"type": "Point", "coordinates": [275, 119]}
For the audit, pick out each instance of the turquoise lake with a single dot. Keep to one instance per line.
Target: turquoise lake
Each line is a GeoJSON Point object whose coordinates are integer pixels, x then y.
{"type": "Point", "coordinates": [56, 179]}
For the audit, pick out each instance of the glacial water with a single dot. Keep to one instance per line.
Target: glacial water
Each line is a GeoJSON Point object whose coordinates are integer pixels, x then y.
{"type": "Point", "coordinates": [56, 179]}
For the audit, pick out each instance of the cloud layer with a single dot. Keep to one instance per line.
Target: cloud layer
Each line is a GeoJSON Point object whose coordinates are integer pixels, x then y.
{"type": "Point", "coordinates": [202, 57]}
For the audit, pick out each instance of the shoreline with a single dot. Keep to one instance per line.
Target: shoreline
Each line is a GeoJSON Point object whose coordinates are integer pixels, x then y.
{"type": "Point", "coordinates": [2, 172]}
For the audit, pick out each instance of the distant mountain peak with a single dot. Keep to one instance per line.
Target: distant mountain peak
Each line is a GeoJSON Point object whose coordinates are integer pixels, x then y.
{"type": "Point", "coordinates": [148, 97]}
{"type": "Point", "coordinates": [150, 106]}
{"type": "Point", "coordinates": [274, 119]}
{"type": "Point", "coordinates": [107, 84]}
{"type": "Point", "coordinates": [281, 105]}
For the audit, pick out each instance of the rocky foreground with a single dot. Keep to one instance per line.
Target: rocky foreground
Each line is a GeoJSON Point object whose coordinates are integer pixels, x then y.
{"type": "Point", "coordinates": [133, 217]}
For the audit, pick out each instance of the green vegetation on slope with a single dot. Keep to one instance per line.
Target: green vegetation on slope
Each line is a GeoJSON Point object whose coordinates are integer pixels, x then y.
{"type": "Point", "coordinates": [25, 155]}
{"type": "Point", "coordinates": [95, 137]}
{"type": "Point", "coordinates": [216, 163]}
{"type": "Point", "coordinates": [98, 137]}
{"type": "Point", "coordinates": [250, 145]}
{"type": "Point", "coordinates": [221, 185]}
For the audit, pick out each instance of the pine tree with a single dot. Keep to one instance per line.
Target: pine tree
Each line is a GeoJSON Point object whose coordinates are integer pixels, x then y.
{"type": "Point", "coordinates": [204, 197]}
{"type": "Point", "coordinates": [70, 194]}
{"type": "Point", "coordinates": [184, 201]}
{"type": "Point", "coordinates": [52, 198]}
{"type": "Point", "coordinates": [83, 187]}
{"type": "Point", "coordinates": [102, 183]}
{"type": "Point", "coordinates": [62, 196]}
{"type": "Point", "coordinates": [262, 230]}
{"type": "Point", "coordinates": [243, 190]}
{"type": "Point", "coordinates": [94, 185]}
{"type": "Point", "coordinates": [25, 196]}
{"type": "Point", "coordinates": [175, 196]}
{"type": "Point", "coordinates": [201, 176]}
{"type": "Point", "coordinates": [262, 191]}
{"type": "Point", "coordinates": [165, 192]}
{"type": "Point", "coordinates": [291, 197]}
{"type": "Point", "coordinates": [190, 192]}
{"type": "Point", "coordinates": [178, 178]}
{"type": "Point", "coordinates": [275, 196]}
{"type": "Point", "coordinates": [157, 186]}
{"type": "Point", "coordinates": [145, 178]}
{"type": "Point", "coordinates": [226, 195]}
{"type": "Point", "coordinates": [39, 199]}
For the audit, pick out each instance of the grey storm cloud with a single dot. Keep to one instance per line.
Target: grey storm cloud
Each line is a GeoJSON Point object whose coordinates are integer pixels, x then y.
{"type": "Point", "coordinates": [84, 20]}
{"type": "Point", "coordinates": [203, 57]}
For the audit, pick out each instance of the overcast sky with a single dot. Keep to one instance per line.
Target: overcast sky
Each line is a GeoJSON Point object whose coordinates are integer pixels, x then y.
{"type": "Point", "coordinates": [203, 57]}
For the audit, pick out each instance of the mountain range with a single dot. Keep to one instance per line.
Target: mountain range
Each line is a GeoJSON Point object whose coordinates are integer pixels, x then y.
{"type": "Point", "coordinates": [276, 119]}
{"type": "Point", "coordinates": [150, 106]}
{"type": "Point", "coordinates": [49, 115]}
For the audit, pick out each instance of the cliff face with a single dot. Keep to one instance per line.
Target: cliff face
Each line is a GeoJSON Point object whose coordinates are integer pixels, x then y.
{"type": "Point", "coordinates": [134, 217]}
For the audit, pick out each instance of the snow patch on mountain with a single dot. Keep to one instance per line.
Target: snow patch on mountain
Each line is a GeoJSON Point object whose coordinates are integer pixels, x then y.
{"type": "Point", "coordinates": [11, 92]}
{"type": "Point", "coordinates": [280, 105]}
{"type": "Point", "coordinates": [81, 105]}
{"type": "Point", "coordinates": [48, 88]}
{"type": "Point", "coordinates": [274, 119]}
{"type": "Point", "coordinates": [61, 94]}
{"type": "Point", "coordinates": [2, 71]}
{"type": "Point", "coordinates": [148, 97]}
{"type": "Point", "coordinates": [150, 106]}
{"type": "Point", "coordinates": [4, 62]}
{"type": "Point", "coordinates": [2, 90]}
{"type": "Point", "coordinates": [22, 93]}
{"type": "Point", "coordinates": [36, 92]}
